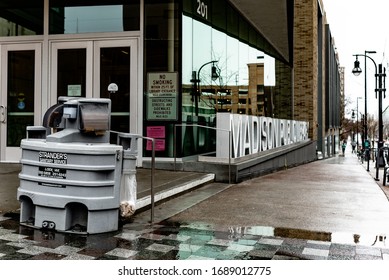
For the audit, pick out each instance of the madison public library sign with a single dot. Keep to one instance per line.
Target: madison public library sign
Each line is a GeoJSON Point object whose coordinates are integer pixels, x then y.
{"type": "Point", "coordinates": [252, 134]}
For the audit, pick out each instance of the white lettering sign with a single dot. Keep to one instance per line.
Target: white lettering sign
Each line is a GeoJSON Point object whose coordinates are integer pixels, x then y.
{"type": "Point", "coordinates": [202, 9]}
{"type": "Point", "coordinates": [53, 157]}
{"type": "Point", "coordinates": [51, 172]}
{"type": "Point", "coordinates": [252, 134]}
{"type": "Point", "coordinates": [162, 89]}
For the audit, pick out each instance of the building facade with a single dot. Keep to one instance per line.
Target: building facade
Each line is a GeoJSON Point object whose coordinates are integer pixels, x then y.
{"type": "Point", "coordinates": [318, 79]}
{"type": "Point", "coordinates": [176, 64]}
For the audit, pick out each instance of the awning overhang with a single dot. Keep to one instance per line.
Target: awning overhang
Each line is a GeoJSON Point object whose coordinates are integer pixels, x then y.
{"type": "Point", "coordinates": [273, 19]}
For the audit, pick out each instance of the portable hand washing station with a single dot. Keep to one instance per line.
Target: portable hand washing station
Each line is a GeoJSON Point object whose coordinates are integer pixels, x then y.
{"type": "Point", "coordinates": [72, 178]}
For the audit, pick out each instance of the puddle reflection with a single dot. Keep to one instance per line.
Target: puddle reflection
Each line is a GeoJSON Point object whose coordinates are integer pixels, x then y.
{"type": "Point", "coordinates": [170, 241]}
{"type": "Point", "coordinates": [236, 233]}
{"type": "Point", "coordinates": [364, 240]}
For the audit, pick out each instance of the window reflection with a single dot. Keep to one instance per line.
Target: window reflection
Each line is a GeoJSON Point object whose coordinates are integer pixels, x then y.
{"type": "Point", "coordinates": [21, 17]}
{"type": "Point", "coordinates": [71, 17]}
{"type": "Point", "coordinates": [187, 50]}
{"type": "Point", "coordinates": [232, 61]}
{"type": "Point", "coordinates": [250, 81]}
{"type": "Point", "coordinates": [219, 41]}
{"type": "Point", "coordinates": [202, 46]}
{"type": "Point", "coordinates": [243, 61]}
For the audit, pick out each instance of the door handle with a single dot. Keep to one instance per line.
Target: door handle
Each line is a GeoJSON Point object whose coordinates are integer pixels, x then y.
{"type": "Point", "coordinates": [3, 113]}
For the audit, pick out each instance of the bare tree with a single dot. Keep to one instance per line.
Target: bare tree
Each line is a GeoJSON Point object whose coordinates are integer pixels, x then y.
{"type": "Point", "coordinates": [386, 131]}
{"type": "Point", "coordinates": [348, 129]}
{"type": "Point", "coordinates": [372, 127]}
{"type": "Point", "coordinates": [346, 123]}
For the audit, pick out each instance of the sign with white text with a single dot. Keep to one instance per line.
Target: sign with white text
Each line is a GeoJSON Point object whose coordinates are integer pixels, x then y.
{"type": "Point", "coordinates": [162, 92]}
{"type": "Point", "coordinates": [253, 134]}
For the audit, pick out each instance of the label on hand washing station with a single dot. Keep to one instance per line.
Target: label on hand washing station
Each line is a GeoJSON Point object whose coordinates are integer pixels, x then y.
{"type": "Point", "coordinates": [50, 172]}
{"type": "Point", "coordinates": [53, 157]}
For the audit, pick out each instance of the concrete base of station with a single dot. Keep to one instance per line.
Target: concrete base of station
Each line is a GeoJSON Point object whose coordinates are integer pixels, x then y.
{"type": "Point", "coordinates": [238, 170]}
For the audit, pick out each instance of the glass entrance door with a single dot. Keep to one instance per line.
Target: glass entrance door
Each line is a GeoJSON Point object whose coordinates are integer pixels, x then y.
{"type": "Point", "coordinates": [113, 67]}
{"type": "Point", "coordinates": [71, 69]}
{"type": "Point", "coordinates": [20, 96]}
{"type": "Point", "coordinates": [88, 68]}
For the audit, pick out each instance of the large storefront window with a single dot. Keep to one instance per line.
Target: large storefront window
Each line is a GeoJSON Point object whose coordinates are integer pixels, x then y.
{"type": "Point", "coordinates": [21, 17]}
{"type": "Point", "coordinates": [225, 66]}
{"type": "Point", "coordinates": [209, 51]}
{"type": "Point", "coordinates": [250, 79]}
{"type": "Point", "coordinates": [84, 16]}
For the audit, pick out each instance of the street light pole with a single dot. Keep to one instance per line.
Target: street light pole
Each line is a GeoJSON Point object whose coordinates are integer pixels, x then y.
{"type": "Point", "coordinates": [196, 82]}
{"type": "Point", "coordinates": [381, 88]}
{"type": "Point", "coordinates": [365, 120]}
{"type": "Point", "coordinates": [375, 65]}
{"type": "Point", "coordinates": [358, 123]}
{"type": "Point", "coordinates": [352, 128]}
{"type": "Point", "coordinates": [356, 71]}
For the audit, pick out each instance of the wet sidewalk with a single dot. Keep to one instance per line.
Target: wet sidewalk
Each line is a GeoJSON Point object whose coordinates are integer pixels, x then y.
{"type": "Point", "coordinates": [328, 209]}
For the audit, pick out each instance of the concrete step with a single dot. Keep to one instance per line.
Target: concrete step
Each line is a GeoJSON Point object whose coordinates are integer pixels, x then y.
{"type": "Point", "coordinates": [173, 187]}
{"type": "Point", "coordinates": [177, 204]}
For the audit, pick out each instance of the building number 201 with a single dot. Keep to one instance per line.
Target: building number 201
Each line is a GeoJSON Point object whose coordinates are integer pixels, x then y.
{"type": "Point", "coordinates": [202, 9]}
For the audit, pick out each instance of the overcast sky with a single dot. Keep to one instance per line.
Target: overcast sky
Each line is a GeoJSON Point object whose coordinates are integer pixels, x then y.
{"type": "Point", "coordinates": [356, 26]}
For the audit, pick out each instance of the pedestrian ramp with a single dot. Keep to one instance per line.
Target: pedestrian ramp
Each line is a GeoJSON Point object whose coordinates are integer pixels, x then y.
{"type": "Point", "coordinates": [167, 184]}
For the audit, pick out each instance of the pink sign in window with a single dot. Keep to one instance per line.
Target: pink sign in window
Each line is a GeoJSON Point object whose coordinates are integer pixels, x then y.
{"type": "Point", "coordinates": [159, 145]}
{"type": "Point", "coordinates": [158, 133]}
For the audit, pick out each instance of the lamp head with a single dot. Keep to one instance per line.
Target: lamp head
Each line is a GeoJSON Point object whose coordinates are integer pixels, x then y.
{"type": "Point", "coordinates": [356, 70]}
{"type": "Point", "coordinates": [214, 74]}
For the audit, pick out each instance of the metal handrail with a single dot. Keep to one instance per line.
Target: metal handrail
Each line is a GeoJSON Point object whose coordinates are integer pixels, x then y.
{"type": "Point", "coordinates": [208, 127]}
{"type": "Point", "coordinates": [152, 194]}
